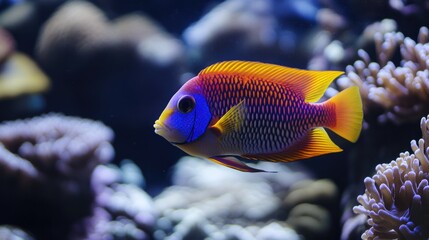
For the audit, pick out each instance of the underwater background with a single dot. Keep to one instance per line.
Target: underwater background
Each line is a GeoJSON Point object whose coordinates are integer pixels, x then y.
{"type": "Point", "coordinates": [82, 82]}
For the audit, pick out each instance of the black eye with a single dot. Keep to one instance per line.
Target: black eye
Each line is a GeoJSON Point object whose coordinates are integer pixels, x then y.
{"type": "Point", "coordinates": [186, 104]}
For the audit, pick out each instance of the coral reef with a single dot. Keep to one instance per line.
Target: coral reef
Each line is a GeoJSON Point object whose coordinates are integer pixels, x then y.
{"type": "Point", "coordinates": [393, 92]}
{"type": "Point", "coordinates": [396, 198]}
{"type": "Point", "coordinates": [409, 7]}
{"type": "Point", "coordinates": [130, 54]}
{"type": "Point", "coordinates": [53, 161]}
{"type": "Point", "coordinates": [209, 201]}
{"type": "Point", "coordinates": [353, 227]}
{"type": "Point", "coordinates": [46, 164]}
{"type": "Point", "coordinates": [120, 61]}
{"type": "Point", "coordinates": [13, 233]}
{"type": "Point", "coordinates": [22, 21]}
{"type": "Point", "coordinates": [142, 33]}
{"type": "Point", "coordinates": [92, 36]}
{"type": "Point", "coordinates": [308, 203]}
{"type": "Point", "coordinates": [234, 28]}
{"type": "Point", "coordinates": [56, 142]}
{"type": "Point", "coordinates": [120, 209]}
{"type": "Point", "coordinates": [78, 38]}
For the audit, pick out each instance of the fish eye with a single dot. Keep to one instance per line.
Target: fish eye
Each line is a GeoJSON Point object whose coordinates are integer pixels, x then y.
{"type": "Point", "coordinates": [186, 104]}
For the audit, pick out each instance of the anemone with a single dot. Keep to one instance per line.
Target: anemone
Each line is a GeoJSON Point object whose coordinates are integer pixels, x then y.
{"type": "Point", "coordinates": [397, 93]}
{"type": "Point", "coordinates": [396, 199]}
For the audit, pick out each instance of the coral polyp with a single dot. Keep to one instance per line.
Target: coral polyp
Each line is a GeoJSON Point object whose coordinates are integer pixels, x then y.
{"type": "Point", "coordinates": [396, 198]}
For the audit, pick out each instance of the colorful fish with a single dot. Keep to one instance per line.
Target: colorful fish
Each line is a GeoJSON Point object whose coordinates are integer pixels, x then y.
{"type": "Point", "coordinates": [259, 111]}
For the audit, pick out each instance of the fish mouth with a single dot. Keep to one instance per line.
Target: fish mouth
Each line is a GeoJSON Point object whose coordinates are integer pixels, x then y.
{"type": "Point", "coordinates": [165, 131]}
{"type": "Point", "coordinates": [159, 127]}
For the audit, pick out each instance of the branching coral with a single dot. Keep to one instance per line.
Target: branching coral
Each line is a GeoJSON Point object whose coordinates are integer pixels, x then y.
{"type": "Point", "coordinates": [396, 198]}
{"type": "Point", "coordinates": [400, 93]}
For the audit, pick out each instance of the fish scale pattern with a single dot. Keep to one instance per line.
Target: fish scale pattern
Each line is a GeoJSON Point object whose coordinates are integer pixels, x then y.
{"type": "Point", "coordinates": [276, 116]}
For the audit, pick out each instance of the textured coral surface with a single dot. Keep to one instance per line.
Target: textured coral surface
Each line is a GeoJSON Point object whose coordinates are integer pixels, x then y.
{"type": "Point", "coordinates": [398, 91]}
{"type": "Point", "coordinates": [396, 199]}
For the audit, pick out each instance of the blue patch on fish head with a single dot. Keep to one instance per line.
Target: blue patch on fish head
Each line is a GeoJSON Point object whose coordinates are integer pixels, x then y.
{"type": "Point", "coordinates": [186, 116]}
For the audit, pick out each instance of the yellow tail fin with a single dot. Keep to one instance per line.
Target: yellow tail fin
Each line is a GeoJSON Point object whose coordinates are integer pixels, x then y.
{"type": "Point", "coordinates": [349, 113]}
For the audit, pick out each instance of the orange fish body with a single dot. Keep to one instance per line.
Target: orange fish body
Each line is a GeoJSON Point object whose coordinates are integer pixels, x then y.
{"type": "Point", "coordinates": [262, 112]}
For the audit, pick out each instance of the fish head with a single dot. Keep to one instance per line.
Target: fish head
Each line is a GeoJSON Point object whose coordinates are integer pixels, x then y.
{"type": "Point", "coordinates": [186, 116]}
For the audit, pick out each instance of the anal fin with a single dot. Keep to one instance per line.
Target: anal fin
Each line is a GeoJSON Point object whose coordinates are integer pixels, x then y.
{"type": "Point", "coordinates": [316, 143]}
{"type": "Point", "coordinates": [234, 163]}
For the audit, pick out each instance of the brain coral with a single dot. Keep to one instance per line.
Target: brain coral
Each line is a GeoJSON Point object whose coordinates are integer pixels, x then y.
{"type": "Point", "coordinates": [396, 198]}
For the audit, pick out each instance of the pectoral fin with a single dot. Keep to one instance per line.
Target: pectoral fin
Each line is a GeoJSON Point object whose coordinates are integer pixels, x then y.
{"type": "Point", "coordinates": [231, 121]}
{"type": "Point", "coordinates": [234, 163]}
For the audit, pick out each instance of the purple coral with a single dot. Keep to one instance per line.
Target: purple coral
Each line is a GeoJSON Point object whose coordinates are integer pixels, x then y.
{"type": "Point", "coordinates": [53, 142]}
{"type": "Point", "coordinates": [46, 164]}
{"type": "Point", "coordinates": [409, 7]}
{"type": "Point", "coordinates": [121, 210]}
{"type": "Point", "coordinates": [396, 198]}
{"type": "Point", "coordinates": [398, 93]}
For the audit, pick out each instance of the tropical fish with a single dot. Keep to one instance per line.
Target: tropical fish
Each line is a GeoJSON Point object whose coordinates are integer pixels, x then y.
{"type": "Point", "coordinates": [259, 111]}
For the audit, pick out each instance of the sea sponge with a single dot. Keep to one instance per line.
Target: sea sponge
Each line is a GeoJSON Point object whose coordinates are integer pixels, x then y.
{"type": "Point", "coordinates": [396, 198]}
{"type": "Point", "coordinates": [398, 93]}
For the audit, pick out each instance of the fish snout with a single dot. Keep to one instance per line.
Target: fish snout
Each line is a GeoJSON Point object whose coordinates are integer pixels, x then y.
{"type": "Point", "coordinates": [159, 127]}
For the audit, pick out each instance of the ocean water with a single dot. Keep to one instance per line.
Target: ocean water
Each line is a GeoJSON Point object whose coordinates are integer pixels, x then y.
{"type": "Point", "coordinates": [82, 83]}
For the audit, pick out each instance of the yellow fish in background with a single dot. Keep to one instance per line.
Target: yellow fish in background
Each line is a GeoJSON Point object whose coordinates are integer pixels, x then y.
{"type": "Point", "coordinates": [259, 111]}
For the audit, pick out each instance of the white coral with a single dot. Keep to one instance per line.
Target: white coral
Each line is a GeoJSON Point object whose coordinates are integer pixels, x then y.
{"type": "Point", "coordinates": [401, 92]}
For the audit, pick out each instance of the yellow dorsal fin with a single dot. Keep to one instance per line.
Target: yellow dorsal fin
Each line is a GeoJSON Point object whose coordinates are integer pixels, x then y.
{"type": "Point", "coordinates": [312, 84]}
{"type": "Point", "coordinates": [316, 143]}
{"type": "Point", "coordinates": [232, 120]}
